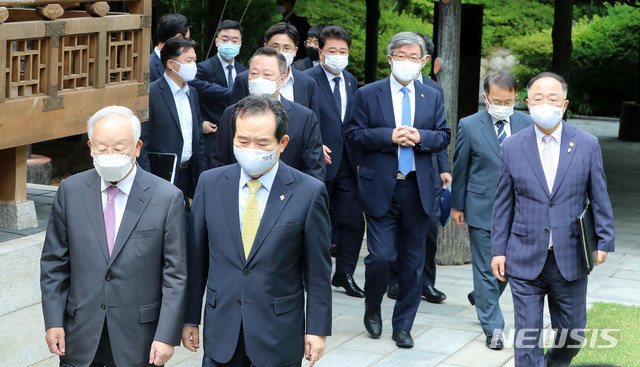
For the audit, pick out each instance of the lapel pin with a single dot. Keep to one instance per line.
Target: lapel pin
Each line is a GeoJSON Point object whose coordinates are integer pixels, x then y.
{"type": "Point", "coordinates": [571, 144]}
{"type": "Point", "coordinates": [281, 197]}
{"type": "Point", "coordinates": [569, 150]}
{"type": "Point", "coordinates": [421, 95]}
{"type": "Point", "coordinates": [349, 83]}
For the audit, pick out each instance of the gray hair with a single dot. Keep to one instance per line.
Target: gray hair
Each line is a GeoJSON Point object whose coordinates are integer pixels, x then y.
{"type": "Point", "coordinates": [406, 38]}
{"type": "Point", "coordinates": [268, 51]}
{"type": "Point", "coordinates": [111, 111]}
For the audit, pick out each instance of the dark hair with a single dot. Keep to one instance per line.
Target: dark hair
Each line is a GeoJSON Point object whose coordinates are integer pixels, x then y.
{"type": "Point", "coordinates": [171, 24]}
{"type": "Point", "coordinates": [268, 51]}
{"type": "Point", "coordinates": [315, 30]}
{"type": "Point", "coordinates": [258, 105]}
{"type": "Point", "coordinates": [229, 24]}
{"type": "Point", "coordinates": [282, 28]}
{"type": "Point", "coordinates": [547, 74]}
{"type": "Point", "coordinates": [428, 42]}
{"type": "Point", "coordinates": [175, 47]}
{"type": "Point", "coordinates": [500, 79]}
{"type": "Point", "coordinates": [333, 32]}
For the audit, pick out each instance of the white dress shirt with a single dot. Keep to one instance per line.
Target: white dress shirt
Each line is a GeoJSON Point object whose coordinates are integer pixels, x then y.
{"type": "Point", "coordinates": [555, 156]}
{"type": "Point", "coordinates": [507, 126]}
{"type": "Point", "coordinates": [396, 98]}
{"type": "Point", "coordinates": [225, 64]}
{"type": "Point", "coordinates": [343, 90]}
{"type": "Point", "coordinates": [181, 97]}
{"type": "Point", "coordinates": [120, 200]}
{"type": "Point", "coordinates": [157, 51]}
{"type": "Point", "coordinates": [286, 90]}
{"type": "Point", "coordinates": [263, 193]}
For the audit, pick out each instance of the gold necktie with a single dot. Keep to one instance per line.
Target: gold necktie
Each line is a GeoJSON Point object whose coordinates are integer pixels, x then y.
{"type": "Point", "coordinates": [250, 217]}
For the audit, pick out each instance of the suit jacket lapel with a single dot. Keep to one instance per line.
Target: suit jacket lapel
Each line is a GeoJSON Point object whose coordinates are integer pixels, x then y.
{"type": "Point", "coordinates": [323, 83]}
{"type": "Point", "coordinates": [489, 132]}
{"type": "Point", "coordinates": [530, 148]}
{"type": "Point", "coordinates": [386, 103]}
{"type": "Point", "coordinates": [278, 198]}
{"type": "Point", "coordinates": [421, 105]}
{"type": "Point", "coordinates": [171, 103]}
{"type": "Point", "coordinates": [229, 195]}
{"type": "Point", "coordinates": [566, 155]}
{"type": "Point", "coordinates": [216, 65]}
{"type": "Point", "coordinates": [349, 88]}
{"type": "Point", "coordinates": [517, 124]}
{"type": "Point", "coordinates": [136, 204]}
{"type": "Point", "coordinates": [93, 203]}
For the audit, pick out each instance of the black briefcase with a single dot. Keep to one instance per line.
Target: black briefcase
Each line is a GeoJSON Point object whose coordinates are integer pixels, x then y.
{"type": "Point", "coordinates": [163, 165]}
{"type": "Point", "coordinates": [588, 236]}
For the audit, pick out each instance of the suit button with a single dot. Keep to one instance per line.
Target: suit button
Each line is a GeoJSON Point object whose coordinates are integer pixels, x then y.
{"type": "Point", "coordinates": [103, 306]}
{"type": "Point", "coordinates": [546, 230]}
{"type": "Point", "coordinates": [245, 272]}
{"type": "Point", "coordinates": [239, 302]}
{"type": "Point", "coordinates": [108, 278]}
{"type": "Point", "coordinates": [551, 205]}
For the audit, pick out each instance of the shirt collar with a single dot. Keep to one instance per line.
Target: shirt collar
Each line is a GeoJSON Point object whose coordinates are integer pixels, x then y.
{"type": "Point", "coordinates": [266, 180]}
{"type": "Point", "coordinates": [157, 51]}
{"type": "Point", "coordinates": [396, 86]}
{"type": "Point", "coordinates": [174, 87]}
{"type": "Point", "coordinates": [419, 78]}
{"type": "Point", "coordinates": [289, 78]}
{"type": "Point", "coordinates": [330, 76]}
{"type": "Point", "coordinates": [557, 134]}
{"type": "Point", "coordinates": [224, 62]}
{"type": "Point", "coordinates": [124, 185]}
{"type": "Point", "coordinates": [494, 120]}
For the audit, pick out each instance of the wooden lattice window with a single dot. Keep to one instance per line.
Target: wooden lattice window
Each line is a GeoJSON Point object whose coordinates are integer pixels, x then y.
{"type": "Point", "coordinates": [123, 56]}
{"type": "Point", "coordinates": [77, 57]}
{"type": "Point", "coordinates": [26, 68]}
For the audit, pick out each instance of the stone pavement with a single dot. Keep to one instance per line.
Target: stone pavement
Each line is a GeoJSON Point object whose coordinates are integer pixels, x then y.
{"type": "Point", "coordinates": [449, 334]}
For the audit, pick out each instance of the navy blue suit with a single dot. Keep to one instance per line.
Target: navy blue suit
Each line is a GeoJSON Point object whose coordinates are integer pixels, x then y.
{"type": "Point", "coordinates": [162, 134]}
{"type": "Point", "coordinates": [303, 64]}
{"type": "Point", "coordinates": [156, 69]}
{"type": "Point", "coordinates": [262, 298]}
{"type": "Point", "coordinates": [215, 94]}
{"type": "Point", "coordinates": [526, 213]}
{"type": "Point", "coordinates": [395, 207]}
{"type": "Point", "coordinates": [304, 151]}
{"type": "Point", "coordinates": [305, 91]}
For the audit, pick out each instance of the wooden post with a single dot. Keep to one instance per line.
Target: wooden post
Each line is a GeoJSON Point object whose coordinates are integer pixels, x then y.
{"type": "Point", "coordinates": [453, 247]}
{"type": "Point", "coordinates": [13, 165]}
{"type": "Point", "coordinates": [371, 45]}
{"type": "Point", "coordinates": [561, 36]}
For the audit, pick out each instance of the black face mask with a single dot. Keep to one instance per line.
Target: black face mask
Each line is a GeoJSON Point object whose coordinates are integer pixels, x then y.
{"type": "Point", "coordinates": [312, 52]}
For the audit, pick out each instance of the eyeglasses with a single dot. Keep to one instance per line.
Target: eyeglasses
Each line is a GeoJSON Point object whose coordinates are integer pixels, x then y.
{"type": "Point", "coordinates": [282, 48]}
{"type": "Point", "coordinates": [313, 43]}
{"type": "Point", "coordinates": [415, 59]}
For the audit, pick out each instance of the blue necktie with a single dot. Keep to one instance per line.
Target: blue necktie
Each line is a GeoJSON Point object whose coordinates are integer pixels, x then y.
{"type": "Point", "coordinates": [230, 76]}
{"type": "Point", "coordinates": [405, 162]}
{"type": "Point", "coordinates": [337, 96]}
{"type": "Point", "coordinates": [501, 133]}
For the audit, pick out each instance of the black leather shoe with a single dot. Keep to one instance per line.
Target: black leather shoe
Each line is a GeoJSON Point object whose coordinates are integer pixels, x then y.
{"type": "Point", "coordinates": [432, 295]}
{"type": "Point", "coordinates": [402, 338]}
{"type": "Point", "coordinates": [471, 299]}
{"type": "Point", "coordinates": [494, 342]}
{"type": "Point", "coordinates": [349, 285]}
{"type": "Point", "coordinates": [373, 324]}
{"type": "Point", "coordinates": [392, 291]}
{"type": "Point", "coordinates": [333, 250]}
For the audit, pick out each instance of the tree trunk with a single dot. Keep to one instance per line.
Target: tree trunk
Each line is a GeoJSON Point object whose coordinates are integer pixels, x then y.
{"type": "Point", "coordinates": [371, 46]}
{"type": "Point", "coordinates": [453, 247]}
{"type": "Point", "coordinates": [561, 35]}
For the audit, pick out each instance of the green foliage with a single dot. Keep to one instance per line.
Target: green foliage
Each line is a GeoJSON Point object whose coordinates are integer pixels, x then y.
{"type": "Point", "coordinates": [534, 52]}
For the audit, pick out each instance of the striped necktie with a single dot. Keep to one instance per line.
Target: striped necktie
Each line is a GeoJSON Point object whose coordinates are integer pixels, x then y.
{"type": "Point", "coordinates": [502, 134]}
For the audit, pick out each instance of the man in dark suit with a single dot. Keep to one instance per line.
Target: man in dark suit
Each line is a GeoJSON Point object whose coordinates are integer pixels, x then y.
{"type": "Point", "coordinates": [337, 88]}
{"type": "Point", "coordinates": [218, 71]}
{"type": "Point", "coordinates": [169, 25]}
{"type": "Point", "coordinates": [304, 151]}
{"type": "Point", "coordinates": [175, 124]}
{"type": "Point", "coordinates": [398, 124]}
{"type": "Point", "coordinates": [285, 7]}
{"type": "Point", "coordinates": [311, 47]}
{"type": "Point", "coordinates": [259, 237]}
{"type": "Point", "coordinates": [296, 86]}
{"type": "Point", "coordinates": [113, 266]}
{"type": "Point", "coordinates": [475, 168]}
{"type": "Point", "coordinates": [547, 172]}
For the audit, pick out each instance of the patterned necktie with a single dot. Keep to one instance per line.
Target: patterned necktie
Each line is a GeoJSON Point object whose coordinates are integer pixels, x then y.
{"type": "Point", "coordinates": [405, 162]}
{"type": "Point", "coordinates": [337, 96]}
{"type": "Point", "coordinates": [250, 217]}
{"type": "Point", "coordinates": [229, 76]}
{"type": "Point", "coordinates": [548, 163]}
{"type": "Point", "coordinates": [110, 217]}
{"type": "Point", "coordinates": [502, 134]}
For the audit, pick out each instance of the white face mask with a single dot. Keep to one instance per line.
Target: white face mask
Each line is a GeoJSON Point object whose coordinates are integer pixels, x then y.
{"type": "Point", "coordinates": [406, 70]}
{"type": "Point", "coordinates": [187, 71]}
{"type": "Point", "coordinates": [113, 167]}
{"type": "Point", "coordinates": [546, 116]}
{"type": "Point", "coordinates": [288, 56]}
{"type": "Point", "coordinates": [498, 112]}
{"type": "Point", "coordinates": [255, 162]}
{"type": "Point", "coordinates": [261, 85]}
{"type": "Point", "coordinates": [336, 63]}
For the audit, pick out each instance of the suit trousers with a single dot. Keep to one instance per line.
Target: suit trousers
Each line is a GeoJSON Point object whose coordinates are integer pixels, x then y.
{"type": "Point", "coordinates": [347, 221]}
{"type": "Point", "coordinates": [487, 289]}
{"type": "Point", "coordinates": [399, 235]}
{"type": "Point", "coordinates": [429, 271]}
{"type": "Point", "coordinates": [567, 306]}
{"type": "Point", "coordinates": [104, 354]}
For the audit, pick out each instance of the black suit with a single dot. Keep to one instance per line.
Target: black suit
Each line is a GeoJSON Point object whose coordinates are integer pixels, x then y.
{"type": "Point", "coordinates": [156, 69]}
{"type": "Point", "coordinates": [303, 64]}
{"type": "Point", "coordinates": [302, 25]}
{"type": "Point", "coordinates": [162, 134]}
{"type": "Point", "coordinates": [304, 151]}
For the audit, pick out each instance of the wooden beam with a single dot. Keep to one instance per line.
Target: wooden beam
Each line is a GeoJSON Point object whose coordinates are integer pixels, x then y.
{"type": "Point", "coordinates": [43, 2]}
{"type": "Point", "coordinates": [13, 165]}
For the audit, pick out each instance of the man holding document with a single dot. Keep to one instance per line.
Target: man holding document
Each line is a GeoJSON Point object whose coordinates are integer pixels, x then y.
{"type": "Point", "coordinates": [547, 172]}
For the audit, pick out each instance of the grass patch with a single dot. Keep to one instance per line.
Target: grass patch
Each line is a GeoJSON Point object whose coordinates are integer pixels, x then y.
{"type": "Point", "coordinates": [611, 316]}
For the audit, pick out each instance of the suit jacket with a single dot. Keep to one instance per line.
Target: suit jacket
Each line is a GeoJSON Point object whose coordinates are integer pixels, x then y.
{"type": "Point", "coordinates": [330, 120]}
{"type": "Point", "coordinates": [304, 151]}
{"type": "Point", "coordinates": [162, 133]}
{"type": "Point", "coordinates": [525, 212]}
{"type": "Point", "coordinates": [265, 293]}
{"type": "Point", "coordinates": [156, 69]}
{"type": "Point", "coordinates": [303, 64]}
{"type": "Point", "coordinates": [140, 289]}
{"type": "Point", "coordinates": [305, 91]}
{"type": "Point", "coordinates": [369, 127]}
{"type": "Point", "coordinates": [475, 166]}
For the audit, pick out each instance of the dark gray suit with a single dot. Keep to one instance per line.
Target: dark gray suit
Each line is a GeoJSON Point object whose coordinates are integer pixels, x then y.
{"type": "Point", "coordinates": [475, 178]}
{"type": "Point", "coordinates": [139, 290]}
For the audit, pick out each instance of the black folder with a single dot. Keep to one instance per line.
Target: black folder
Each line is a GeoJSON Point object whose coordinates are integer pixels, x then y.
{"type": "Point", "coordinates": [163, 165]}
{"type": "Point", "coordinates": [588, 236]}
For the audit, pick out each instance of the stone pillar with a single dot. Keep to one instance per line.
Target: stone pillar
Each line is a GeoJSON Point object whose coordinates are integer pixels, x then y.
{"type": "Point", "coordinates": [16, 212]}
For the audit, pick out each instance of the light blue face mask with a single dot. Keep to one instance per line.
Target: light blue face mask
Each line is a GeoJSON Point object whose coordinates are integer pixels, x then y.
{"type": "Point", "coordinates": [228, 50]}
